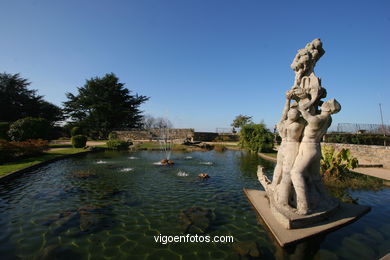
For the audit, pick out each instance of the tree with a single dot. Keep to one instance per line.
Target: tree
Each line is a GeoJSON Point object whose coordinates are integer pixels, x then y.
{"type": "Point", "coordinates": [241, 120]}
{"type": "Point", "coordinates": [162, 122]}
{"type": "Point", "coordinates": [104, 104]}
{"type": "Point", "coordinates": [17, 101]}
{"type": "Point", "coordinates": [150, 122]}
{"type": "Point", "coordinates": [256, 137]}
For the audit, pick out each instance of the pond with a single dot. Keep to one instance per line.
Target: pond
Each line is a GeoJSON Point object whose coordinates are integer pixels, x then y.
{"type": "Point", "coordinates": [110, 205]}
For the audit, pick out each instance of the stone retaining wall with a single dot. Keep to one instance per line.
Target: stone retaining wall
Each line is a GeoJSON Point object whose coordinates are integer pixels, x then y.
{"type": "Point", "coordinates": [174, 133]}
{"type": "Point", "coordinates": [372, 154]}
{"type": "Point", "coordinates": [154, 134]}
{"type": "Point", "coordinates": [205, 136]}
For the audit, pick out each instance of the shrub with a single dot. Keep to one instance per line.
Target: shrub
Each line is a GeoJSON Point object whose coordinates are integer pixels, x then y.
{"type": "Point", "coordinates": [336, 164]}
{"type": "Point", "coordinates": [32, 147]}
{"type": "Point", "coordinates": [79, 141]}
{"type": "Point", "coordinates": [4, 127]}
{"type": "Point", "coordinates": [10, 151]}
{"type": "Point", "coordinates": [29, 128]}
{"type": "Point", "coordinates": [117, 144]}
{"type": "Point", "coordinates": [75, 131]}
{"type": "Point", "coordinates": [257, 138]}
{"type": "Point", "coordinates": [339, 180]}
{"type": "Point", "coordinates": [113, 136]}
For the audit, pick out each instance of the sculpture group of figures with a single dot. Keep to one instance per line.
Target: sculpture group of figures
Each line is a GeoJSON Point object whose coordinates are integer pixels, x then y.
{"type": "Point", "coordinates": [297, 186]}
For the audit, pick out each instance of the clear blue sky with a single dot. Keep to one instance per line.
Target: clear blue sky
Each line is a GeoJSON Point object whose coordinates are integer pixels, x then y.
{"type": "Point", "coordinates": [203, 62]}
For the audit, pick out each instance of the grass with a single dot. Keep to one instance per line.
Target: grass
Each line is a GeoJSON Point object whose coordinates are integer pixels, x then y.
{"type": "Point", "coordinates": [14, 166]}
{"type": "Point", "coordinates": [227, 142]}
{"type": "Point", "coordinates": [66, 151]}
{"type": "Point", "coordinates": [60, 145]}
{"type": "Point", "coordinates": [273, 154]}
{"type": "Point", "coordinates": [101, 145]}
{"type": "Point", "coordinates": [233, 146]}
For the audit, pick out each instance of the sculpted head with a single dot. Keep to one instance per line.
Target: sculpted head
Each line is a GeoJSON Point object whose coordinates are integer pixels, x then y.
{"type": "Point", "coordinates": [293, 114]}
{"type": "Point", "coordinates": [331, 106]}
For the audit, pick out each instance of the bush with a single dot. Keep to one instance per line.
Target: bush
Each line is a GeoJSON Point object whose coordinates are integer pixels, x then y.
{"type": "Point", "coordinates": [257, 138]}
{"type": "Point", "coordinates": [339, 180]}
{"type": "Point", "coordinates": [336, 164]}
{"type": "Point", "coordinates": [75, 131]}
{"type": "Point", "coordinates": [32, 147]}
{"type": "Point", "coordinates": [10, 151]}
{"type": "Point", "coordinates": [4, 127]}
{"type": "Point", "coordinates": [117, 144]}
{"type": "Point", "coordinates": [29, 128]}
{"type": "Point", "coordinates": [79, 141]}
{"type": "Point", "coordinates": [113, 136]}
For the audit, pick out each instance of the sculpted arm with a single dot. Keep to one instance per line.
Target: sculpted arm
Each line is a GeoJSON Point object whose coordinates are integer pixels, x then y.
{"type": "Point", "coordinates": [306, 115]}
{"type": "Point", "coordinates": [286, 106]}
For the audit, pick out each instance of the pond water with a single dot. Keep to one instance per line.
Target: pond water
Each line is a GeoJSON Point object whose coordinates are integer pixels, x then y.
{"type": "Point", "coordinates": [110, 205]}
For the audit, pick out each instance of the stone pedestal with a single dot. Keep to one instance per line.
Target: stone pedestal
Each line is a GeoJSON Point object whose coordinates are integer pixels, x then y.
{"type": "Point", "coordinates": [344, 214]}
{"type": "Point", "coordinates": [290, 220]}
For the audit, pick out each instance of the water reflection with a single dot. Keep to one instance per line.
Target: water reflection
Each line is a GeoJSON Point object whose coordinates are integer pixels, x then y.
{"type": "Point", "coordinates": [249, 161]}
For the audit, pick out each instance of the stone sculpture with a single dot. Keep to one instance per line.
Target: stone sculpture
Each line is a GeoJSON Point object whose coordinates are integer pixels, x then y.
{"type": "Point", "coordinates": [297, 194]}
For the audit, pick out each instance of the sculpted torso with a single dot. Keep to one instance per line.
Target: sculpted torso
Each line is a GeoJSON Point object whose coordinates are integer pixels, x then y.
{"type": "Point", "coordinates": [282, 130]}
{"type": "Point", "coordinates": [294, 131]}
{"type": "Point", "coordinates": [316, 128]}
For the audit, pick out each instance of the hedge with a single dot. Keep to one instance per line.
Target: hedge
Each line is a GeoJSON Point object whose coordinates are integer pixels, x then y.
{"type": "Point", "coordinates": [79, 141]}
{"type": "Point", "coordinates": [364, 139]}
{"type": "Point", "coordinates": [75, 131]}
{"type": "Point", "coordinates": [117, 144]}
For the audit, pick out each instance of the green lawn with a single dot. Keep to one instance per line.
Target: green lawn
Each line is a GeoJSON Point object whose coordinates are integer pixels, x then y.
{"type": "Point", "coordinates": [273, 154]}
{"type": "Point", "coordinates": [14, 166]}
{"type": "Point", "coordinates": [60, 145]}
{"type": "Point", "coordinates": [232, 146]}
